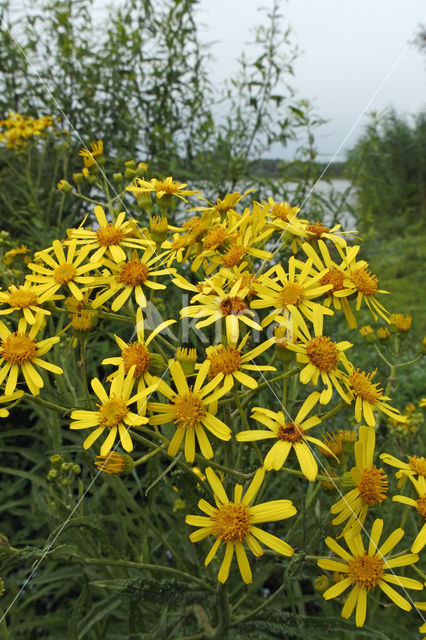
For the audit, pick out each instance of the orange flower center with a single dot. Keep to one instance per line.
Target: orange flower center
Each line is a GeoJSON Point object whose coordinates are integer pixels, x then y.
{"type": "Point", "coordinates": [317, 229]}
{"type": "Point", "coordinates": [290, 432]}
{"type": "Point", "coordinates": [323, 353]}
{"type": "Point", "coordinates": [109, 235]}
{"type": "Point", "coordinates": [365, 570]}
{"type": "Point", "coordinates": [233, 256]}
{"type": "Point", "coordinates": [22, 298]}
{"type": "Point", "coordinates": [215, 238]}
{"type": "Point", "coordinates": [168, 186]}
{"type": "Point", "coordinates": [365, 281]}
{"type": "Point", "coordinates": [418, 465]}
{"type": "Point", "coordinates": [291, 293]}
{"type": "Point", "coordinates": [231, 523]}
{"type": "Point", "coordinates": [283, 211]}
{"type": "Point", "coordinates": [18, 348]}
{"type": "Point", "coordinates": [373, 486]}
{"type": "Point", "coordinates": [362, 385]}
{"type": "Point", "coordinates": [133, 273]}
{"type": "Point", "coordinates": [233, 306]}
{"type": "Point", "coordinates": [188, 410]}
{"type": "Point", "coordinates": [333, 442]}
{"type": "Point", "coordinates": [64, 273]}
{"type": "Point", "coordinates": [421, 506]}
{"type": "Point", "coordinates": [335, 278]}
{"type": "Point", "coordinates": [136, 354]}
{"type": "Point", "coordinates": [224, 360]}
{"type": "Point", "coordinates": [112, 412]}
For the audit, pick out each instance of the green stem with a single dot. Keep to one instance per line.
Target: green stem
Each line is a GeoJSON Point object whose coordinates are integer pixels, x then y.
{"type": "Point", "coordinates": [46, 403]}
{"type": "Point", "coordinates": [337, 409]}
{"type": "Point", "coordinates": [221, 631]}
{"type": "Point", "coordinates": [407, 364]}
{"type": "Point", "coordinates": [83, 345]}
{"type": "Point", "coordinates": [380, 354]}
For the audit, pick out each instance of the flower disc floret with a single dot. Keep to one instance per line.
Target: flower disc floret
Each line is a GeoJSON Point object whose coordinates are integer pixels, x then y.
{"type": "Point", "coordinates": [317, 229]}
{"type": "Point", "coordinates": [421, 506]}
{"type": "Point", "coordinates": [224, 360]}
{"type": "Point", "coordinates": [18, 348]}
{"type": "Point", "coordinates": [365, 570]}
{"type": "Point", "coordinates": [231, 523]}
{"type": "Point", "coordinates": [232, 306]}
{"type": "Point", "coordinates": [418, 465]}
{"type": "Point", "coordinates": [109, 235]}
{"type": "Point", "coordinates": [291, 293]}
{"type": "Point", "coordinates": [133, 273]}
{"type": "Point", "coordinates": [188, 410]}
{"type": "Point", "coordinates": [373, 486]}
{"type": "Point", "coordinates": [290, 432]}
{"type": "Point", "coordinates": [112, 412]}
{"type": "Point", "coordinates": [136, 354]}
{"type": "Point", "coordinates": [365, 281]}
{"type": "Point", "coordinates": [323, 353]}
{"type": "Point", "coordinates": [22, 298]}
{"type": "Point", "coordinates": [335, 278]}
{"type": "Point", "coordinates": [233, 256]}
{"type": "Point", "coordinates": [64, 273]}
{"type": "Point", "coordinates": [363, 387]}
{"type": "Point", "coordinates": [215, 238]}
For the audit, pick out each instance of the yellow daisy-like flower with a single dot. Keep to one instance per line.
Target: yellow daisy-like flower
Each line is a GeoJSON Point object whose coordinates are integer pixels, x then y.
{"type": "Point", "coordinates": [416, 465]}
{"type": "Point", "coordinates": [221, 207]}
{"type": "Point", "coordinates": [136, 356]}
{"type": "Point", "coordinates": [25, 299]}
{"type": "Point", "coordinates": [321, 357]}
{"type": "Point", "coordinates": [109, 238]}
{"type": "Point", "coordinates": [131, 277]}
{"type": "Point", "coordinates": [366, 570]}
{"type": "Point", "coordinates": [335, 275]}
{"type": "Point", "coordinates": [364, 283]}
{"type": "Point", "coordinates": [113, 413]}
{"type": "Point", "coordinates": [420, 505]}
{"type": "Point", "coordinates": [422, 607]}
{"type": "Point", "coordinates": [371, 485]}
{"type": "Point", "coordinates": [288, 435]}
{"type": "Point", "coordinates": [63, 271]}
{"type": "Point", "coordinates": [13, 396]}
{"type": "Point", "coordinates": [218, 304]}
{"type": "Point", "coordinates": [234, 523]}
{"type": "Point", "coordinates": [161, 188]}
{"type": "Point", "coordinates": [189, 411]}
{"type": "Point", "coordinates": [231, 361]}
{"type": "Point", "coordinates": [20, 352]}
{"type": "Point", "coordinates": [369, 397]}
{"type": "Point", "coordinates": [292, 294]}
{"type": "Point", "coordinates": [89, 156]}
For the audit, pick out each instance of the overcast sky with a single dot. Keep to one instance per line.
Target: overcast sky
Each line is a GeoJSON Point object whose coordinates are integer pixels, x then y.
{"type": "Point", "coordinates": [349, 47]}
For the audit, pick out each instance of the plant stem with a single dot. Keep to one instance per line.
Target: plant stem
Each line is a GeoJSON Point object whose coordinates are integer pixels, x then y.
{"type": "Point", "coordinates": [46, 403]}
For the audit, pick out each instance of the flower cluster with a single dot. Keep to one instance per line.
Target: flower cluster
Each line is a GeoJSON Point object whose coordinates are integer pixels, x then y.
{"type": "Point", "coordinates": [263, 283]}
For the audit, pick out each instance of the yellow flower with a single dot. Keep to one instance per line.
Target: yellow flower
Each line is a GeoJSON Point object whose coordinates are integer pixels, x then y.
{"type": "Point", "coordinates": [321, 358]}
{"type": "Point", "coordinates": [292, 294]}
{"type": "Point", "coordinates": [217, 304]}
{"type": "Point", "coordinates": [369, 397]}
{"type": "Point", "coordinates": [108, 239]}
{"type": "Point", "coordinates": [288, 435]}
{"type": "Point", "coordinates": [222, 206]}
{"type": "Point", "coordinates": [136, 356]}
{"type": "Point", "coordinates": [131, 277]}
{"type": "Point", "coordinates": [26, 299]}
{"type": "Point", "coordinates": [63, 271]}
{"type": "Point", "coordinates": [371, 485]}
{"type": "Point", "coordinates": [10, 256]}
{"type": "Point", "coordinates": [234, 523]}
{"type": "Point", "coordinates": [189, 410]}
{"type": "Point", "coordinates": [414, 466]}
{"type": "Point", "coordinates": [230, 361]}
{"type": "Point", "coordinates": [114, 463]}
{"type": "Point", "coordinates": [161, 188]}
{"type": "Point", "coordinates": [401, 322]}
{"type": "Point", "coordinates": [113, 413]}
{"type": "Point", "coordinates": [20, 352]}
{"type": "Point", "coordinates": [365, 570]}
{"type": "Point", "coordinates": [89, 156]}
{"type": "Point", "coordinates": [420, 505]}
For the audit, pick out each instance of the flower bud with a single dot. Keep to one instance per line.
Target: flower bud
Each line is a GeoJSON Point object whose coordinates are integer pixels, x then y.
{"type": "Point", "coordinates": [158, 226]}
{"type": "Point", "coordinates": [115, 463]}
{"type": "Point", "coordinates": [64, 186]}
{"type": "Point", "coordinates": [129, 173]}
{"type": "Point", "coordinates": [142, 168]}
{"type": "Point", "coordinates": [56, 460]}
{"type": "Point", "coordinates": [322, 583]}
{"type": "Point", "coordinates": [187, 359]}
{"type": "Point", "coordinates": [117, 177]}
{"type": "Point", "coordinates": [383, 333]}
{"type": "Point", "coordinates": [78, 178]}
{"type": "Point", "coordinates": [367, 333]}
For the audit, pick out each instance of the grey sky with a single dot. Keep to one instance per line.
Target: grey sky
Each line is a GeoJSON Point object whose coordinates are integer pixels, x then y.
{"type": "Point", "coordinates": [349, 47]}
